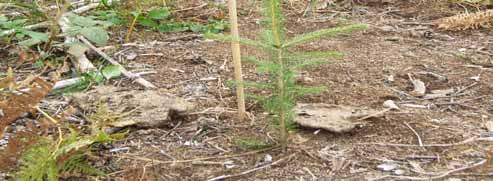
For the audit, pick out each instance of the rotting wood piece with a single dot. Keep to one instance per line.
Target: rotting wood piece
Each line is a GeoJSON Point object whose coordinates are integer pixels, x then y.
{"type": "Point", "coordinates": [334, 118]}
{"type": "Point", "coordinates": [137, 108]}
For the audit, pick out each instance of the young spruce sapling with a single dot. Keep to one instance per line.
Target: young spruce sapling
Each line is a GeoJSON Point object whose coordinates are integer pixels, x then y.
{"type": "Point", "coordinates": [282, 65]}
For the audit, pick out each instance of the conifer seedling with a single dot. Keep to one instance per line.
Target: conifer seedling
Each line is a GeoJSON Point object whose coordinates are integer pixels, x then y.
{"type": "Point", "coordinates": [281, 65]}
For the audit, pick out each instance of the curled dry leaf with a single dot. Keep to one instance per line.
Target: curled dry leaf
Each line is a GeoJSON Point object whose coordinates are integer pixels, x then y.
{"type": "Point", "coordinates": [390, 104]}
{"type": "Point", "coordinates": [15, 103]}
{"type": "Point", "coordinates": [334, 118]}
{"type": "Point", "coordinates": [419, 87]}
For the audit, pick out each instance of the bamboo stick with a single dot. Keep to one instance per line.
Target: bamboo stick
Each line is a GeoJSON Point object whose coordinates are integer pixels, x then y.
{"type": "Point", "coordinates": [235, 47]}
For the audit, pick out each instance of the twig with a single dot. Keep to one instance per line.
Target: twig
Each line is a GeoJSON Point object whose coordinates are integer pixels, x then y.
{"type": "Point", "coordinates": [465, 88]}
{"type": "Point", "coordinates": [53, 120]}
{"type": "Point", "coordinates": [415, 157]}
{"type": "Point", "coordinates": [126, 73]}
{"type": "Point", "coordinates": [416, 133]}
{"type": "Point", "coordinates": [374, 115]}
{"type": "Point", "coordinates": [184, 37]}
{"type": "Point", "coordinates": [467, 141]}
{"type": "Point", "coordinates": [439, 176]}
{"type": "Point", "coordinates": [222, 177]}
{"type": "Point", "coordinates": [310, 172]}
{"type": "Point", "coordinates": [198, 159]}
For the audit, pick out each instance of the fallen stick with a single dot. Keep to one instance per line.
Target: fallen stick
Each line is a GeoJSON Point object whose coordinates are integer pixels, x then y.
{"type": "Point", "coordinates": [415, 133]}
{"type": "Point", "coordinates": [65, 83]}
{"type": "Point", "coordinates": [69, 82]}
{"type": "Point", "coordinates": [126, 73]}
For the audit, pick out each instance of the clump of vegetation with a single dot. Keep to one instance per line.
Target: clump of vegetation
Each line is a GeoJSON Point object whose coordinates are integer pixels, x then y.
{"type": "Point", "coordinates": [156, 19]}
{"type": "Point", "coordinates": [47, 159]}
{"type": "Point", "coordinates": [50, 157]}
{"type": "Point", "coordinates": [281, 65]}
{"type": "Point", "coordinates": [13, 29]}
{"type": "Point", "coordinates": [252, 143]}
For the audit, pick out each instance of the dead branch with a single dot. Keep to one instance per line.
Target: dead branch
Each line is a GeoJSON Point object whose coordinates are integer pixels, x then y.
{"type": "Point", "coordinates": [126, 73]}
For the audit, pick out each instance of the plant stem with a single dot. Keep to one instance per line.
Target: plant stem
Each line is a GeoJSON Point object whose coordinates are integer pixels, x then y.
{"type": "Point", "coordinates": [131, 28]}
{"type": "Point", "coordinates": [283, 133]}
{"type": "Point", "coordinates": [235, 47]}
{"type": "Point", "coordinates": [282, 112]}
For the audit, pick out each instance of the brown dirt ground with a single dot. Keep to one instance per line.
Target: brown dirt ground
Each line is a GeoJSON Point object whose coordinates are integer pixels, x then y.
{"type": "Point", "coordinates": [394, 45]}
{"type": "Point", "coordinates": [359, 80]}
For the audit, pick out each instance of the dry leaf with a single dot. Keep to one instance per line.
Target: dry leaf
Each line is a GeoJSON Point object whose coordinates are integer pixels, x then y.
{"type": "Point", "coordinates": [15, 104]}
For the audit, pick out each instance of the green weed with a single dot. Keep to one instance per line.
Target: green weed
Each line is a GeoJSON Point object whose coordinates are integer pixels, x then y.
{"type": "Point", "coordinates": [252, 143]}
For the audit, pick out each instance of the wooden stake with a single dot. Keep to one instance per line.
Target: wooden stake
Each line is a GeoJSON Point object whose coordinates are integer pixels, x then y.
{"type": "Point", "coordinates": [235, 47]}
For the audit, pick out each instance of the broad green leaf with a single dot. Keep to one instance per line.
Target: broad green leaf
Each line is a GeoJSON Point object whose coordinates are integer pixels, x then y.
{"type": "Point", "coordinates": [82, 21]}
{"type": "Point", "coordinates": [36, 35]}
{"type": "Point", "coordinates": [323, 33]}
{"type": "Point", "coordinates": [147, 22]}
{"type": "Point", "coordinates": [158, 14]}
{"type": "Point", "coordinates": [96, 35]}
{"type": "Point", "coordinates": [111, 71]}
{"type": "Point", "coordinates": [196, 27]}
{"type": "Point", "coordinates": [20, 35]}
{"type": "Point", "coordinates": [19, 21]}
{"type": "Point", "coordinates": [77, 49]}
{"type": "Point", "coordinates": [3, 19]}
{"type": "Point", "coordinates": [95, 76]}
{"type": "Point", "coordinates": [30, 42]}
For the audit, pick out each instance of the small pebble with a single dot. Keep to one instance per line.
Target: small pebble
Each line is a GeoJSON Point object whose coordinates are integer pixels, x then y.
{"type": "Point", "coordinates": [387, 167]}
{"type": "Point", "coordinates": [399, 172]}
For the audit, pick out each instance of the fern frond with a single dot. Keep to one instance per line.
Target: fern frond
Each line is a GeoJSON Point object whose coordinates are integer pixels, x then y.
{"type": "Point", "coordinates": [101, 137]}
{"type": "Point", "coordinates": [323, 33]}
{"type": "Point", "coordinates": [76, 163]}
{"type": "Point", "coordinates": [41, 162]}
{"type": "Point", "coordinates": [37, 163]}
{"type": "Point", "coordinates": [481, 19]}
